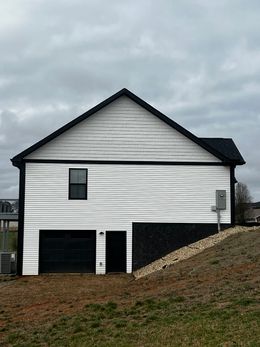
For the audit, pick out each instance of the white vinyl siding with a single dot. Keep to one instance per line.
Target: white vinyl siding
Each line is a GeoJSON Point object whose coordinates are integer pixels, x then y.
{"type": "Point", "coordinates": [123, 130]}
{"type": "Point", "coordinates": [117, 196]}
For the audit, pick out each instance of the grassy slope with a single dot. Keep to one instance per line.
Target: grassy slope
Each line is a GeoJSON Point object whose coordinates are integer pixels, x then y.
{"type": "Point", "coordinates": [211, 299]}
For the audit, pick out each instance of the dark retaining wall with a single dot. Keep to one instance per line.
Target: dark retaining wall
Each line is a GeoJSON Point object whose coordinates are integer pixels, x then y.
{"type": "Point", "coordinates": [152, 241]}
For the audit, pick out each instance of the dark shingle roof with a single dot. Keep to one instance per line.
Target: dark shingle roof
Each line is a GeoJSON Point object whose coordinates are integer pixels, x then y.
{"type": "Point", "coordinates": [225, 146]}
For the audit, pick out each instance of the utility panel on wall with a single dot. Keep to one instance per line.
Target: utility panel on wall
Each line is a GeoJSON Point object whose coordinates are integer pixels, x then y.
{"type": "Point", "coordinates": [221, 199]}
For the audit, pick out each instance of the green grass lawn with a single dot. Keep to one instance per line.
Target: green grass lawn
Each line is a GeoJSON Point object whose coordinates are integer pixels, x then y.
{"type": "Point", "coordinates": [151, 322]}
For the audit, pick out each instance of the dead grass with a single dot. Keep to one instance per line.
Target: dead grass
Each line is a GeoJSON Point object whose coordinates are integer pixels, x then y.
{"type": "Point", "coordinates": [211, 299]}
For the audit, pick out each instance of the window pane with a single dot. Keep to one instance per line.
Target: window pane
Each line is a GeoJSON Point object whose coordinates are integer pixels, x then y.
{"type": "Point", "coordinates": [78, 191]}
{"type": "Point", "coordinates": [78, 176]}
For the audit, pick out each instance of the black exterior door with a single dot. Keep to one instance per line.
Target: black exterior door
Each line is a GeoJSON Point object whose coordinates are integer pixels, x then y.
{"type": "Point", "coordinates": [115, 251]}
{"type": "Point", "coordinates": [67, 251]}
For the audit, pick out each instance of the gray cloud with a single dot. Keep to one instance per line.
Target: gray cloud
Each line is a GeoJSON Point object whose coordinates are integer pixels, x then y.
{"type": "Point", "coordinates": [197, 61]}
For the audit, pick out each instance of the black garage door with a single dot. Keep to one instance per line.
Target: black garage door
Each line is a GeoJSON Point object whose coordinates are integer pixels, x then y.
{"type": "Point", "coordinates": [67, 251]}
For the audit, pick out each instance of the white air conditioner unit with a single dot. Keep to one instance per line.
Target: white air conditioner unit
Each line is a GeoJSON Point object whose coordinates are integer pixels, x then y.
{"type": "Point", "coordinates": [7, 262]}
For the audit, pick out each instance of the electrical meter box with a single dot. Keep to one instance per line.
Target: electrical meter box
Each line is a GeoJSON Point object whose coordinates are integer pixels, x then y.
{"type": "Point", "coordinates": [221, 199]}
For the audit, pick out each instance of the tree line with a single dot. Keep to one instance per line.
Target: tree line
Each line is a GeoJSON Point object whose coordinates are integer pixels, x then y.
{"type": "Point", "coordinates": [243, 201]}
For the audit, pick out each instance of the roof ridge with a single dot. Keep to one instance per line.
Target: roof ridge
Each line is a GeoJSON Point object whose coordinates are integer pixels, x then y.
{"type": "Point", "coordinates": [217, 138]}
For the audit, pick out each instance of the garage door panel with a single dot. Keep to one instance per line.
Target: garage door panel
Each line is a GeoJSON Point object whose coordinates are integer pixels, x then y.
{"type": "Point", "coordinates": [67, 251]}
{"type": "Point", "coordinates": [49, 257]}
{"type": "Point", "coordinates": [79, 255]}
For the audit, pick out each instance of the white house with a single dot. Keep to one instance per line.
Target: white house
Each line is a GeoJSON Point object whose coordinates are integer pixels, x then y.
{"type": "Point", "coordinates": [118, 187]}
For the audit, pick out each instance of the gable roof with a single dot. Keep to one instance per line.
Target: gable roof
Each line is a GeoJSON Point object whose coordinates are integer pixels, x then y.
{"type": "Point", "coordinates": [215, 150]}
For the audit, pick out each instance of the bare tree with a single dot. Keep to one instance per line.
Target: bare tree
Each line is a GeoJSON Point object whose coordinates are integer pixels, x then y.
{"type": "Point", "coordinates": [243, 203]}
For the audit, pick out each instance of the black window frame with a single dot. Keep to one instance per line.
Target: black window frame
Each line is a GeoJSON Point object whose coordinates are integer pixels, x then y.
{"type": "Point", "coordinates": [75, 184]}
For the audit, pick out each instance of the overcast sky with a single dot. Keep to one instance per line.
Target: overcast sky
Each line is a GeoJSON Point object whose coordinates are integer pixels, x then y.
{"type": "Point", "coordinates": [196, 61]}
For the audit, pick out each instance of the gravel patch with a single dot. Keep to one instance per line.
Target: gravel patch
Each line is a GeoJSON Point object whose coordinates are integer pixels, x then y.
{"type": "Point", "coordinates": [189, 251]}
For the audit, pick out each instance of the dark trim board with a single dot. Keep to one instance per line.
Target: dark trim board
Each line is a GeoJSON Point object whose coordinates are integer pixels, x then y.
{"type": "Point", "coordinates": [152, 241]}
{"type": "Point", "coordinates": [232, 194]}
{"type": "Point", "coordinates": [126, 162]}
{"type": "Point", "coordinates": [123, 92]}
{"type": "Point", "coordinates": [21, 220]}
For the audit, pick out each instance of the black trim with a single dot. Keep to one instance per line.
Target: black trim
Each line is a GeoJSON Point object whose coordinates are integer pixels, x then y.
{"type": "Point", "coordinates": [232, 195]}
{"type": "Point", "coordinates": [126, 162]}
{"type": "Point", "coordinates": [21, 220]}
{"type": "Point", "coordinates": [123, 92]}
{"type": "Point", "coordinates": [85, 184]}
